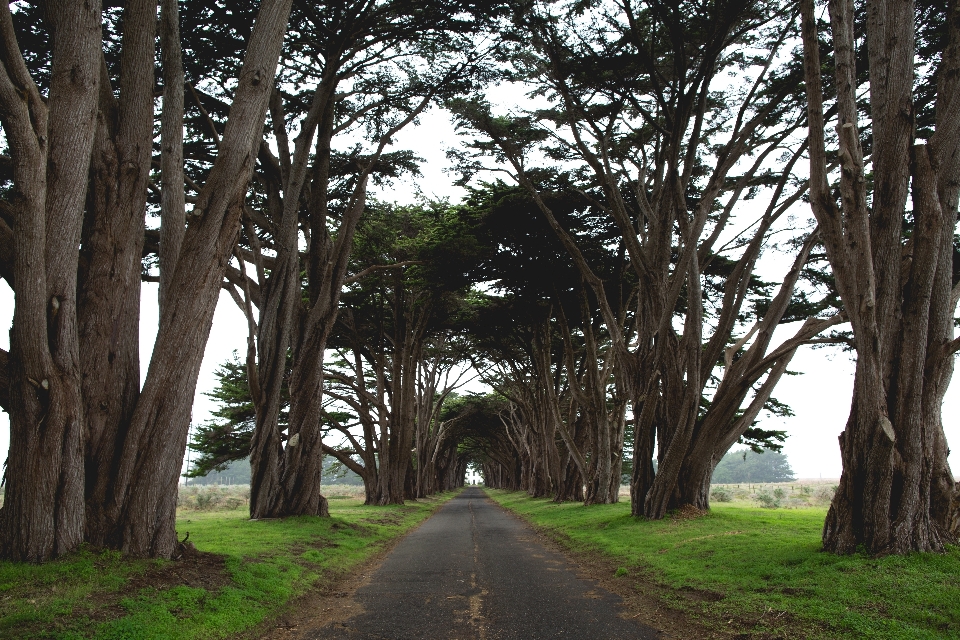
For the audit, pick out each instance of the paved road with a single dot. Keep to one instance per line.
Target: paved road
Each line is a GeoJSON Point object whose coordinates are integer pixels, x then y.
{"type": "Point", "coordinates": [474, 571]}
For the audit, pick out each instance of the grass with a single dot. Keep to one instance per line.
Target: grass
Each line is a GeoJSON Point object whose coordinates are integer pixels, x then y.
{"type": "Point", "coordinates": [760, 571]}
{"type": "Point", "coordinates": [259, 568]}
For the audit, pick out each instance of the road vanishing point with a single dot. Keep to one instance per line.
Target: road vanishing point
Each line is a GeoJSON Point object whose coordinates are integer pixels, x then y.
{"type": "Point", "coordinates": [475, 571]}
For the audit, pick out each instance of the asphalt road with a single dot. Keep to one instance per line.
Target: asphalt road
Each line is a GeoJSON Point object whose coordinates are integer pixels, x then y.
{"type": "Point", "coordinates": [475, 571]}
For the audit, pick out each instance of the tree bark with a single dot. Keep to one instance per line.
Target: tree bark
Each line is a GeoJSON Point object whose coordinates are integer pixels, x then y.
{"type": "Point", "coordinates": [281, 302]}
{"type": "Point", "coordinates": [172, 194]}
{"type": "Point", "coordinates": [50, 145]}
{"type": "Point", "coordinates": [112, 243]}
{"type": "Point", "coordinates": [144, 496]}
{"type": "Point", "coordinates": [895, 491]}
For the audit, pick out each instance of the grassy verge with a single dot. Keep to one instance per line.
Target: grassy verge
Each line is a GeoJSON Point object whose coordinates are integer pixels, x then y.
{"type": "Point", "coordinates": [759, 571]}
{"type": "Point", "coordinates": [242, 573]}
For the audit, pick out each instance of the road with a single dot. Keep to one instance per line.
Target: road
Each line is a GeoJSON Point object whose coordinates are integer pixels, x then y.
{"type": "Point", "coordinates": [475, 571]}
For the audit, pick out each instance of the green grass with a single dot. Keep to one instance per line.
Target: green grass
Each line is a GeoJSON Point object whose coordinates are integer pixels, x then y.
{"type": "Point", "coordinates": [764, 568]}
{"type": "Point", "coordinates": [267, 563]}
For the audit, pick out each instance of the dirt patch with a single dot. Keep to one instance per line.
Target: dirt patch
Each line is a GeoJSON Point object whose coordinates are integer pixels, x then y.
{"type": "Point", "coordinates": [391, 519]}
{"type": "Point", "coordinates": [196, 569]}
{"type": "Point", "coordinates": [687, 512]}
{"type": "Point", "coordinates": [193, 569]}
{"type": "Point", "coordinates": [329, 601]}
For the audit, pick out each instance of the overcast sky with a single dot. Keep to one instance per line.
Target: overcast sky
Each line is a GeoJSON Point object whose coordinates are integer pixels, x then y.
{"type": "Point", "coordinates": [820, 397]}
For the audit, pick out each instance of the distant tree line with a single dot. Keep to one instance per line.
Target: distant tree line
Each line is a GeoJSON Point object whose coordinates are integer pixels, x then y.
{"type": "Point", "coordinates": [746, 465]}
{"type": "Point", "coordinates": [238, 473]}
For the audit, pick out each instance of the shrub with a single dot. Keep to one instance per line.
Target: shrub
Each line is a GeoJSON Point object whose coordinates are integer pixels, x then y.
{"type": "Point", "coordinates": [824, 495]}
{"type": "Point", "coordinates": [768, 500]}
{"type": "Point", "coordinates": [721, 494]}
{"type": "Point", "coordinates": [213, 497]}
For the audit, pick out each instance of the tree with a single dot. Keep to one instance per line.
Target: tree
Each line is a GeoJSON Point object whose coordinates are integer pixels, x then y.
{"type": "Point", "coordinates": [137, 440]}
{"type": "Point", "coordinates": [154, 444]}
{"type": "Point", "coordinates": [544, 341]}
{"type": "Point", "coordinates": [226, 437]}
{"type": "Point", "coordinates": [50, 139]}
{"type": "Point", "coordinates": [893, 266]}
{"type": "Point", "coordinates": [396, 344]}
{"type": "Point", "coordinates": [373, 68]}
{"type": "Point", "coordinates": [670, 163]}
{"type": "Point", "coordinates": [112, 242]}
{"type": "Point", "coordinates": [751, 466]}
{"type": "Point", "coordinates": [477, 425]}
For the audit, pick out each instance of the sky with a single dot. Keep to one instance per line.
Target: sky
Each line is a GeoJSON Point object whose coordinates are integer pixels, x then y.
{"type": "Point", "coordinates": [820, 397]}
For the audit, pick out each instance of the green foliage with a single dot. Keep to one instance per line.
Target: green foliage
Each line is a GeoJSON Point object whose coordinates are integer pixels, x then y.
{"type": "Point", "coordinates": [763, 439]}
{"type": "Point", "coordinates": [749, 466]}
{"type": "Point", "coordinates": [226, 437]}
{"type": "Point", "coordinates": [474, 421]}
{"type": "Point", "coordinates": [88, 594]}
{"type": "Point", "coordinates": [770, 500]}
{"type": "Point", "coordinates": [765, 569]}
{"type": "Point", "coordinates": [721, 495]}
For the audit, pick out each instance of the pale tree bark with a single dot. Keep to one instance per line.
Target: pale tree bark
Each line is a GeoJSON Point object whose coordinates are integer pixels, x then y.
{"type": "Point", "coordinates": [895, 492]}
{"type": "Point", "coordinates": [50, 143]}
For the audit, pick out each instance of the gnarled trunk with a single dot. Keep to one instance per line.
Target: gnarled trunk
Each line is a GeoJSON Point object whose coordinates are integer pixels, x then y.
{"type": "Point", "coordinates": [894, 493]}
{"type": "Point", "coordinates": [143, 504]}
{"type": "Point", "coordinates": [112, 244]}
{"type": "Point", "coordinates": [50, 145]}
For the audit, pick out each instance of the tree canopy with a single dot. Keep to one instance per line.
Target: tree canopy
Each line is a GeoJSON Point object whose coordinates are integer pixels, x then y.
{"type": "Point", "coordinates": [607, 278]}
{"type": "Point", "coordinates": [747, 465]}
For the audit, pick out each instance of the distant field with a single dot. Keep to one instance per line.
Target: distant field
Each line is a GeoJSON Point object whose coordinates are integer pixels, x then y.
{"type": "Point", "coordinates": [798, 493]}
{"type": "Point", "coordinates": [745, 569]}
{"type": "Point", "coordinates": [242, 572]}
{"type": "Point", "coordinates": [227, 497]}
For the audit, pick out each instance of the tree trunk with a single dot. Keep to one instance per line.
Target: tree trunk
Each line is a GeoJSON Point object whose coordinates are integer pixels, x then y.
{"type": "Point", "coordinates": [281, 301]}
{"type": "Point", "coordinates": [145, 490]}
{"type": "Point", "coordinates": [109, 287]}
{"type": "Point", "coordinates": [172, 196]}
{"type": "Point", "coordinates": [894, 493]}
{"type": "Point", "coordinates": [50, 146]}
{"type": "Point", "coordinates": [303, 455]}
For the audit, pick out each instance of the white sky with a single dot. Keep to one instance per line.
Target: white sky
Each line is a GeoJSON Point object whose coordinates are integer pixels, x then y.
{"type": "Point", "coordinates": [820, 397]}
